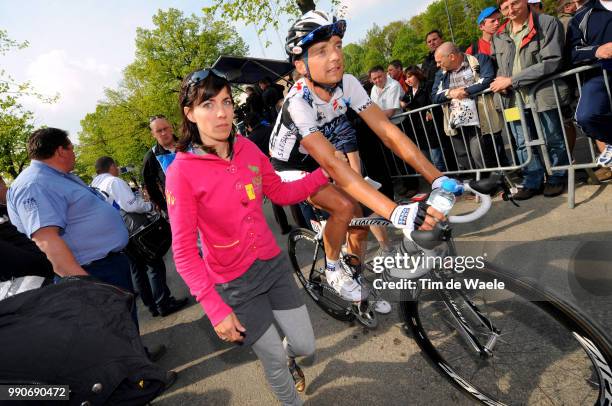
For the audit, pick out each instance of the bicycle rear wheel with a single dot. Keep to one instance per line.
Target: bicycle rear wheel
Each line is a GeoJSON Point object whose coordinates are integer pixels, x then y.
{"type": "Point", "coordinates": [308, 259]}
{"type": "Point", "coordinates": [546, 352]}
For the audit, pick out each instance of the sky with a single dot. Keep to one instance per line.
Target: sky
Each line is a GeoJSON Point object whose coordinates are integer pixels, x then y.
{"type": "Point", "coordinates": [79, 48]}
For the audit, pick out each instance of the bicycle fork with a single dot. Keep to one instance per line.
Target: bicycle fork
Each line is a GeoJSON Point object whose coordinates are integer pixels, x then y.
{"type": "Point", "coordinates": [464, 328]}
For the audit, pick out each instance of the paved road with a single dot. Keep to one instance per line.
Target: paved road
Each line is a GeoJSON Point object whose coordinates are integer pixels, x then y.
{"type": "Point", "coordinates": [569, 251]}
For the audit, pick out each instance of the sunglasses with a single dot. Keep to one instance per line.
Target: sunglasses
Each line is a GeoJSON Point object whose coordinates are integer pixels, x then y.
{"type": "Point", "coordinates": [338, 28]}
{"type": "Point", "coordinates": [153, 118]}
{"type": "Point", "coordinates": [197, 77]}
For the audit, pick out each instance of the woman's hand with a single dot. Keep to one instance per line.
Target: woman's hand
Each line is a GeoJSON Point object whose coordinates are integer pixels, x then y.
{"type": "Point", "coordinates": [229, 329]}
{"type": "Point", "coordinates": [339, 155]}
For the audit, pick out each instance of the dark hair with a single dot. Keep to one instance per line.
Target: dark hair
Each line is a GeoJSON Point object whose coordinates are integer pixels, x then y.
{"type": "Point", "coordinates": [415, 71]}
{"type": "Point", "coordinates": [433, 32]}
{"type": "Point", "coordinates": [376, 68]}
{"type": "Point", "coordinates": [103, 164]}
{"type": "Point", "coordinates": [249, 89]}
{"type": "Point", "coordinates": [397, 64]}
{"type": "Point", "coordinates": [265, 81]}
{"type": "Point", "coordinates": [193, 94]}
{"type": "Point", "coordinates": [43, 142]}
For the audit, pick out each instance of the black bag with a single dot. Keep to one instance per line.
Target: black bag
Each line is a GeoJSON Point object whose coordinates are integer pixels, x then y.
{"type": "Point", "coordinates": [78, 333]}
{"type": "Point", "coordinates": [150, 235]}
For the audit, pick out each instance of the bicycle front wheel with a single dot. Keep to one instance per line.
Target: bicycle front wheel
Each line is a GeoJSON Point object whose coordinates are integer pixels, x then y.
{"type": "Point", "coordinates": [542, 351]}
{"type": "Point", "coordinates": [308, 259]}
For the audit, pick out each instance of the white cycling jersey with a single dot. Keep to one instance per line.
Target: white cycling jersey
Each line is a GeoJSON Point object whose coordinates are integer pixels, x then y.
{"type": "Point", "coordinates": [304, 113]}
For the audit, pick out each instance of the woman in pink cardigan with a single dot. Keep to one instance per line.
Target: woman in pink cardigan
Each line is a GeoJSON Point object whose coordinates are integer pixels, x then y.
{"type": "Point", "coordinates": [215, 188]}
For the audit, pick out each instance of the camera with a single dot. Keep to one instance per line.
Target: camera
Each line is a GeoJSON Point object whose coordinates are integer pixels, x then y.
{"type": "Point", "coordinates": [126, 169]}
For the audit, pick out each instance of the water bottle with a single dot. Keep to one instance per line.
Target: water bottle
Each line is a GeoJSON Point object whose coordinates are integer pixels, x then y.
{"type": "Point", "coordinates": [443, 198]}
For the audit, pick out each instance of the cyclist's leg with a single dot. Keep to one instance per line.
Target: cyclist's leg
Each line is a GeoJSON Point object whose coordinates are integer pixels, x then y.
{"type": "Point", "coordinates": [341, 208]}
{"type": "Point", "coordinates": [380, 233]}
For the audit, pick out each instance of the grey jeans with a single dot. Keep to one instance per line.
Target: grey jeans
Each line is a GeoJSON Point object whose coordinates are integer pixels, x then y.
{"type": "Point", "coordinates": [272, 352]}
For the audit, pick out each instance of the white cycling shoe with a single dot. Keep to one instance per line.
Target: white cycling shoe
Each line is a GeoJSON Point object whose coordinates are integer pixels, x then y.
{"type": "Point", "coordinates": [344, 284]}
{"type": "Point", "coordinates": [605, 159]}
{"type": "Point", "coordinates": [382, 307]}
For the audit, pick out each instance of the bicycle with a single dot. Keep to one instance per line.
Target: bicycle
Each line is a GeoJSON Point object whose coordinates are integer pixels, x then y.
{"type": "Point", "coordinates": [517, 344]}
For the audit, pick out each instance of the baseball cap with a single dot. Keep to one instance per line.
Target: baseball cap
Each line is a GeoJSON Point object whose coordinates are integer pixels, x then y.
{"type": "Point", "coordinates": [486, 13]}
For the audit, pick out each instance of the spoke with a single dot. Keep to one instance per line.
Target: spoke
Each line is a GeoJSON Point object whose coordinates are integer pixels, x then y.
{"type": "Point", "coordinates": [458, 358]}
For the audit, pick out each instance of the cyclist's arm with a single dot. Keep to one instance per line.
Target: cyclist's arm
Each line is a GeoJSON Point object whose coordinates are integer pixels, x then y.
{"type": "Point", "coordinates": [399, 143]}
{"type": "Point", "coordinates": [350, 181]}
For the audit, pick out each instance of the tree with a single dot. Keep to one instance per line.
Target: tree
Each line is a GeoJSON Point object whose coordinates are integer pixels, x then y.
{"type": "Point", "coordinates": [15, 122]}
{"type": "Point", "coordinates": [261, 13]}
{"type": "Point", "coordinates": [165, 54]}
{"type": "Point", "coordinates": [15, 128]}
{"type": "Point", "coordinates": [354, 59]}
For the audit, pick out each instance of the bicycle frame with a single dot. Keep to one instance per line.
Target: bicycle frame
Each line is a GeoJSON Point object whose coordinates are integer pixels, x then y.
{"type": "Point", "coordinates": [461, 323]}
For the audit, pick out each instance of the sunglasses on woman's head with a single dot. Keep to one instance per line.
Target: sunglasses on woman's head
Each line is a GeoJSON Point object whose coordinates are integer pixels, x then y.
{"type": "Point", "coordinates": [198, 76]}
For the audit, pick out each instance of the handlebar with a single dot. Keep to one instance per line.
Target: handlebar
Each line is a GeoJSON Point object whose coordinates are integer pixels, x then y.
{"type": "Point", "coordinates": [483, 208]}
{"type": "Point", "coordinates": [483, 189]}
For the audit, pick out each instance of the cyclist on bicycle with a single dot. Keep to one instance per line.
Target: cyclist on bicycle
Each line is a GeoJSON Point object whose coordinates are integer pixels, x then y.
{"type": "Point", "coordinates": [313, 113]}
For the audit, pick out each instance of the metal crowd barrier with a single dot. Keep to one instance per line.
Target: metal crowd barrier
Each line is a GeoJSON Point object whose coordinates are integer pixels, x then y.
{"type": "Point", "coordinates": [580, 152]}
{"type": "Point", "coordinates": [478, 161]}
{"type": "Point", "coordinates": [453, 162]}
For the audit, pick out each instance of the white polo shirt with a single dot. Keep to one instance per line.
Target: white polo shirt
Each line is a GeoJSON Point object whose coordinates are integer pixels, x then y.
{"type": "Point", "coordinates": [388, 97]}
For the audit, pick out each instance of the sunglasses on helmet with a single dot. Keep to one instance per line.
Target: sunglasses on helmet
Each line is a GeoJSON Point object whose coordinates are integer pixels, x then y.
{"type": "Point", "coordinates": [322, 33]}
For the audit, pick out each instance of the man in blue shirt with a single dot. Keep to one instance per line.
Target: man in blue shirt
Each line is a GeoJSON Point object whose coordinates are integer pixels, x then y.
{"type": "Point", "coordinates": [79, 232]}
{"type": "Point", "coordinates": [71, 223]}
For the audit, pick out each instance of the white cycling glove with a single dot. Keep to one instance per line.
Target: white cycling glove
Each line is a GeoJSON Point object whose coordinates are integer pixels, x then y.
{"type": "Point", "coordinates": [408, 216]}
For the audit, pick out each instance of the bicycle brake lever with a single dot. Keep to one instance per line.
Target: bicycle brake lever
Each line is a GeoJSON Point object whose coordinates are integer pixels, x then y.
{"type": "Point", "coordinates": [508, 189]}
{"type": "Point", "coordinates": [507, 196]}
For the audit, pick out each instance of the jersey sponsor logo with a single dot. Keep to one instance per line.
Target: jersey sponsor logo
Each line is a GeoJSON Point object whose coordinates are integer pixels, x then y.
{"type": "Point", "coordinates": [328, 129]}
{"type": "Point", "coordinates": [306, 95]}
{"type": "Point", "coordinates": [320, 116]}
{"type": "Point", "coordinates": [365, 106]}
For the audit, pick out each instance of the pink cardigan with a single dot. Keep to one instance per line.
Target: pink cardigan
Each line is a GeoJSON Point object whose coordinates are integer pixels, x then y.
{"type": "Point", "coordinates": [223, 201]}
